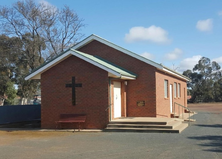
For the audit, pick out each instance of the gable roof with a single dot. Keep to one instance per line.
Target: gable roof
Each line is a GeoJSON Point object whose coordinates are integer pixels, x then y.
{"type": "Point", "coordinates": [36, 74]}
{"type": "Point", "coordinates": [113, 70]}
{"type": "Point", "coordinates": [108, 43]}
{"type": "Point", "coordinates": [132, 54]}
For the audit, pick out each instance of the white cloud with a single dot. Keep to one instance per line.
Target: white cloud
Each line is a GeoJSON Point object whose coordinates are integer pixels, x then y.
{"type": "Point", "coordinates": [152, 33]}
{"type": "Point", "coordinates": [175, 54]}
{"type": "Point", "coordinates": [148, 55]}
{"type": "Point", "coordinates": [220, 13]}
{"type": "Point", "coordinates": [45, 3]}
{"type": "Point", "coordinates": [205, 25]}
{"type": "Point", "coordinates": [218, 60]}
{"type": "Point", "coordinates": [188, 63]}
{"type": "Point", "coordinates": [46, 6]}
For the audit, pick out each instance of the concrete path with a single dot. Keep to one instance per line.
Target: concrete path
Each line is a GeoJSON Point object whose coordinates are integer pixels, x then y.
{"type": "Point", "coordinates": [203, 139]}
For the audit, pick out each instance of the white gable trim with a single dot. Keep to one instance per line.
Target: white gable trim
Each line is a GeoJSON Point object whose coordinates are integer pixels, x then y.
{"type": "Point", "coordinates": [134, 55]}
{"type": "Point", "coordinates": [96, 64]}
{"type": "Point", "coordinates": [166, 70]}
{"type": "Point", "coordinates": [95, 37]}
{"type": "Point", "coordinates": [38, 72]}
{"type": "Point", "coordinates": [126, 77]}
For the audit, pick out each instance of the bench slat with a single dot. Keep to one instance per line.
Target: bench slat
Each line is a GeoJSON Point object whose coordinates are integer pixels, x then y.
{"type": "Point", "coordinates": [71, 118]}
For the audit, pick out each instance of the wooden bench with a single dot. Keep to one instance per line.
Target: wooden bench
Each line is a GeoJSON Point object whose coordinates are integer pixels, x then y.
{"type": "Point", "coordinates": [71, 118]}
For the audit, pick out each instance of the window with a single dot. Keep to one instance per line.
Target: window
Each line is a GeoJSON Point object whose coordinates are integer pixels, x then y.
{"type": "Point", "coordinates": [166, 88]}
{"type": "Point", "coordinates": [179, 95]}
{"type": "Point", "coordinates": [175, 89]}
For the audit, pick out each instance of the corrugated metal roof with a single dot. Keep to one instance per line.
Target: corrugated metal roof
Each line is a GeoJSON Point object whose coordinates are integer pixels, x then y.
{"type": "Point", "coordinates": [50, 63]}
{"type": "Point", "coordinates": [132, 54]}
{"type": "Point", "coordinates": [107, 64]}
{"type": "Point", "coordinates": [113, 69]}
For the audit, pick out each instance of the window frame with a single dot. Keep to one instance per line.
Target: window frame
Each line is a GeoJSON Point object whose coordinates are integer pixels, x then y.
{"type": "Point", "coordinates": [175, 89]}
{"type": "Point", "coordinates": [179, 90]}
{"type": "Point", "coordinates": [166, 88]}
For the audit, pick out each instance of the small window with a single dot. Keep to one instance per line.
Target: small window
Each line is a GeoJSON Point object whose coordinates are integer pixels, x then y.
{"type": "Point", "coordinates": [179, 95]}
{"type": "Point", "coordinates": [175, 89]}
{"type": "Point", "coordinates": [166, 88]}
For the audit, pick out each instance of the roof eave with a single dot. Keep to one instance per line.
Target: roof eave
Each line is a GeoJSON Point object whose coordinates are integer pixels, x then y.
{"type": "Point", "coordinates": [96, 64]}
{"type": "Point", "coordinates": [37, 73]}
{"type": "Point", "coordinates": [127, 77]}
{"type": "Point", "coordinates": [108, 43]}
{"type": "Point", "coordinates": [165, 69]}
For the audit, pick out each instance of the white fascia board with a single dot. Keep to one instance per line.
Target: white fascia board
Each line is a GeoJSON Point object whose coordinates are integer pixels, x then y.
{"type": "Point", "coordinates": [96, 64]}
{"type": "Point", "coordinates": [38, 72]}
{"type": "Point", "coordinates": [83, 42]}
{"type": "Point", "coordinates": [166, 70]}
{"type": "Point", "coordinates": [126, 77]}
{"type": "Point", "coordinates": [95, 37]}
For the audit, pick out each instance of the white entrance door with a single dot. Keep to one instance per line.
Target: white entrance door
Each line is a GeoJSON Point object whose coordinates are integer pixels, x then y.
{"type": "Point", "coordinates": [171, 98]}
{"type": "Point", "coordinates": [117, 99]}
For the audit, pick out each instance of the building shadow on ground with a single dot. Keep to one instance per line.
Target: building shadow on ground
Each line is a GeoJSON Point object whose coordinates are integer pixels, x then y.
{"type": "Point", "coordinates": [24, 124]}
{"type": "Point", "coordinates": [210, 143]}
{"type": "Point", "coordinates": [210, 126]}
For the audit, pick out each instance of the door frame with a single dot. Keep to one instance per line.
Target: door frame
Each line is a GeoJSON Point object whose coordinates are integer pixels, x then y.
{"type": "Point", "coordinates": [171, 98]}
{"type": "Point", "coordinates": [119, 107]}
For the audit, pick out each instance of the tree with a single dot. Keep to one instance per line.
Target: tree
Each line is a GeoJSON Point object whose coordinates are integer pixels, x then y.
{"type": "Point", "coordinates": [10, 93]}
{"type": "Point", "coordinates": [43, 31]}
{"type": "Point", "coordinates": [59, 28]}
{"type": "Point", "coordinates": [9, 49]}
{"type": "Point", "coordinates": [19, 57]}
{"type": "Point", "coordinates": [206, 81]}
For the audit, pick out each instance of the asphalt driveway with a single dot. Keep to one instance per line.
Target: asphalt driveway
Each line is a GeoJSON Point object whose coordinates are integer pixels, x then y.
{"type": "Point", "coordinates": [203, 139]}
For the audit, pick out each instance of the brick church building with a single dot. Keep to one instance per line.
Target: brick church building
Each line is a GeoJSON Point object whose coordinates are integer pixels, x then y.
{"type": "Point", "coordinates": [105, 82]}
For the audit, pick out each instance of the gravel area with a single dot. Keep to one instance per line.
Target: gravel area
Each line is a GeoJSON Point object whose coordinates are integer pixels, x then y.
{"type": "Point", "coordinates": [202, 139]}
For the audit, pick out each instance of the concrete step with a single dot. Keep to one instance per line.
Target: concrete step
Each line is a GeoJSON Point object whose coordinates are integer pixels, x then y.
{"type": "Point", "coordinates": [142, 130]}
{"type": "Point", "coordinates": [169, 125]}
{"type": "Point", "coordinates": [140, 122]}
{"type": "Point", "coordinates": [181, 127]}
{"type": "Point", "coordinates": [190, 120]}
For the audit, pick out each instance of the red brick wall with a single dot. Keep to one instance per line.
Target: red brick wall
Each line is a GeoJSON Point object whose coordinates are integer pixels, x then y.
{"type": "Point", "coordinates": [143, 88]}
{"type": "Point", "coordinates": [92, 97]}
{"type": "Point", "coordinates": [163, 104]}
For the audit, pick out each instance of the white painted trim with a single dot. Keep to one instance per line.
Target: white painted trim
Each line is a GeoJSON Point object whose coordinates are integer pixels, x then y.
{"type": "Point", "coordinates": [35, 74]}
{"type": "Point", "coordinates": [171, 98]}
{"type": "Point", "coordinates": [95, 37]}
{"type": "Point", "coordinates": [117, 104]}
{"type": "Point", "coordinates": [175, 74]}
{"type": "Point", "coordinates": [134, 55]}
{"type": "Point", "coordinates": [49, 65]}
{"type": "Point", "coordinates": [96, 64]}
{"type": "Point", "coordinates": [126, 77]}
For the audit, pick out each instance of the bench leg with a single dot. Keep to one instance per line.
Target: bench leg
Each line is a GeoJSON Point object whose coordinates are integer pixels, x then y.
{"type": "Point", "coordinates": [79, 126]}
{"type": "Point", "coordinates": [56, 125]}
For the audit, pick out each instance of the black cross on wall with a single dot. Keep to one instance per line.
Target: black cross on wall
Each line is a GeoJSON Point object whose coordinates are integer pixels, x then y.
{"type": "Point", "coordinates": [74, 85]}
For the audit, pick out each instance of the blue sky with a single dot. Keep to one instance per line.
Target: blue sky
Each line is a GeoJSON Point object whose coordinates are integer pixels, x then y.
{"type": "Point", "coordinates": [176, 33]}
